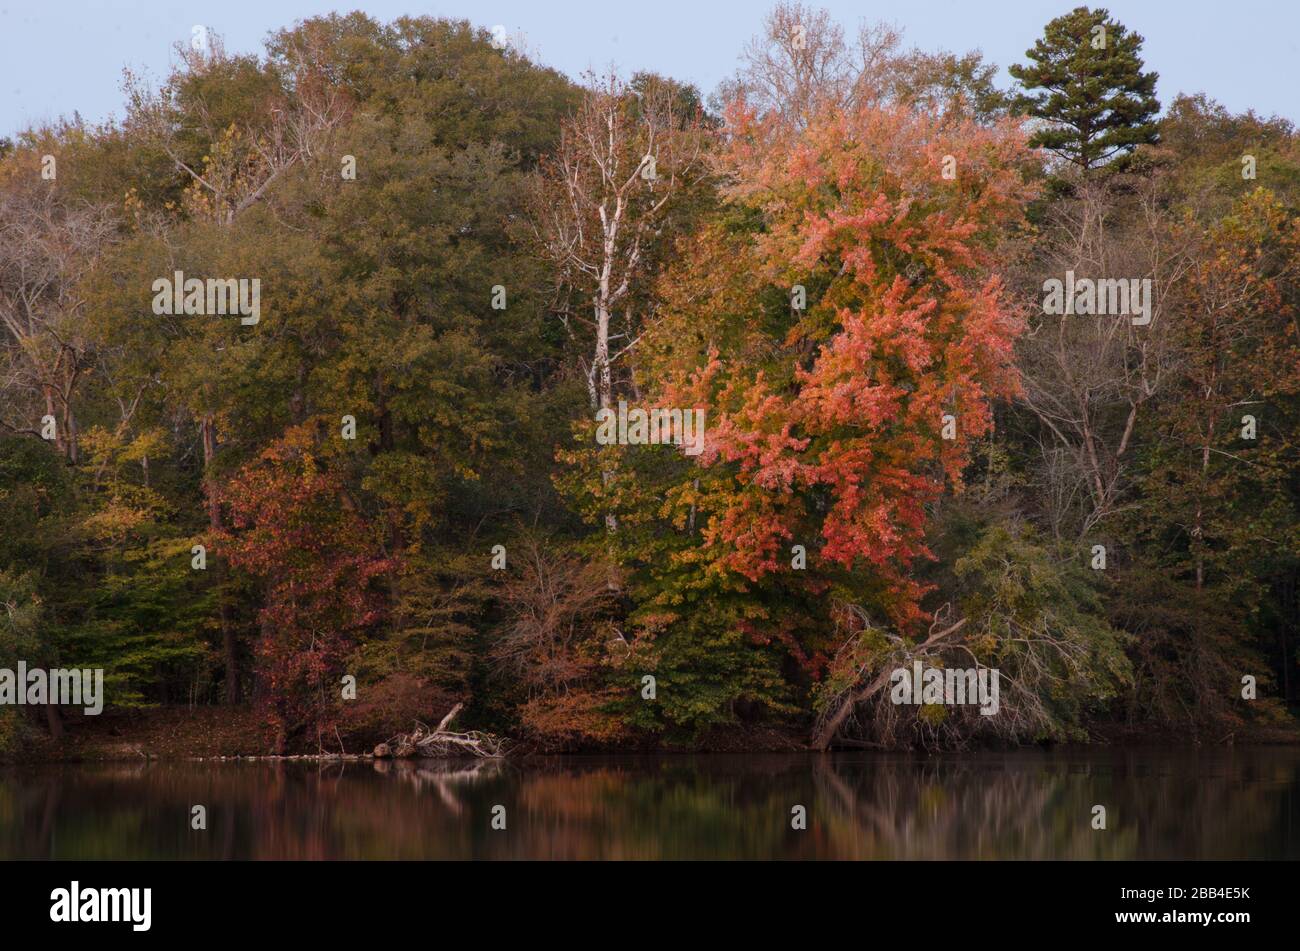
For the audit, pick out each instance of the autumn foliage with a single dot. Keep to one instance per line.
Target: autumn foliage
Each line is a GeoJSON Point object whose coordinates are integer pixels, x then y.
{"type": "Point", "coordinates": [837, 260]}
{"type": "Point", "coordinates": [839, 441]}
{"type": "Point", "coordinates": [295, 531]}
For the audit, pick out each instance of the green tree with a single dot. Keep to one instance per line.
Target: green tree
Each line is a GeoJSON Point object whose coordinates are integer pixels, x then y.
{"type": "Point", "coordinates": [945, 81]}
{"type": "Point", "coordinates": [1093, 93]}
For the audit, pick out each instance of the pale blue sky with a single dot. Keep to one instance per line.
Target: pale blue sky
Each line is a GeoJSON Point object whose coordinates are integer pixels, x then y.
{"type": "Point", "coordinates": [65, 55]}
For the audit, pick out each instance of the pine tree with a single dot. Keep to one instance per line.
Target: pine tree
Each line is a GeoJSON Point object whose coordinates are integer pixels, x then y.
{"type": "Point", "coordinates": [1097, 100]}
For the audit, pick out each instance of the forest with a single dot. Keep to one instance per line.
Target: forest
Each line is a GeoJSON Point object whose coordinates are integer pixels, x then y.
{"type": "Point", "coordinates": [387, 375]}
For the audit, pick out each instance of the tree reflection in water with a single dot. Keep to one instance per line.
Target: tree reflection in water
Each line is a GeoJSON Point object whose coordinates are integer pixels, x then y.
{"type": "Point", "coordinates": [1221, 804]}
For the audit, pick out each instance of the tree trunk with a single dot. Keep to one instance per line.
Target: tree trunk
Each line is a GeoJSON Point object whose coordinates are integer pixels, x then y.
{"type": "Point", "coordinates": [49, 411]}
{"type": "Point", "coordinates": [54, 721]}
{"type": "Point", "coordinates": [605, 394]}
{"type": "Point", "coordinates": [229, 653]}
{"type": "Point", "coordinates": [70, 433]}
{"type": "Point", "coordinates": [829, 727]}
{"type": "Point", "coordinates": [1198, 529]}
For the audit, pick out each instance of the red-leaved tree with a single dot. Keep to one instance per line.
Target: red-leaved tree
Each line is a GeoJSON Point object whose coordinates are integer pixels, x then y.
{"type": "Point", "coordinates": [295, 530]}
{"type": "Point", "coordinates": [887, 379]}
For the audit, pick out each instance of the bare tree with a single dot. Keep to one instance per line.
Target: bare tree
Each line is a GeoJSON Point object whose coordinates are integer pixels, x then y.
{"type": "Point", "coordinates": [47, 245]}
{"type": "Point", "coordinates": [1088, 377]}
{"type": "Point", "coordinates": [802, 63]}
{"type": "Point", "coordinates": [552, 607]}
{"type": "Point", "coordinates": [624, 157]}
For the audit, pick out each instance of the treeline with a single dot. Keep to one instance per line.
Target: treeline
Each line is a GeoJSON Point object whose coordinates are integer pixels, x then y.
{"type": "Point", "coordinates": [387, 493]}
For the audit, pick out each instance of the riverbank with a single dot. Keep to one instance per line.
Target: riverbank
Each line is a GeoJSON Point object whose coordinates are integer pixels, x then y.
{"type": "Point", "coordinates": [204, 733]}
{"type": "Point", "coordinates": [157, 733]}
{"type": "Point", "coordinates": [216, 733]}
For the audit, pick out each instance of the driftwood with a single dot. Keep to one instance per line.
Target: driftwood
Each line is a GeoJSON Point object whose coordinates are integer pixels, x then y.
{"type": "Point", "coordinates": [441, 741]}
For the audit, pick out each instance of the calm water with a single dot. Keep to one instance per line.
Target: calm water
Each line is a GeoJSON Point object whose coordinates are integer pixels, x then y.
{"type": "Point", "coordinates": [1221, 804]}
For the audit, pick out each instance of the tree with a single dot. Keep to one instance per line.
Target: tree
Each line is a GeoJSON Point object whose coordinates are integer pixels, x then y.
{"type": "Point", "coordinates": [945, 81]}
{"type": "Point", "coordinates": [802, 64]}
{"type": "Point", "coordinates": [1095, 99]}
{"type": "Point", "coordinates": [296, 531]}
{"type": "Point", "coordinates": [20, 640]}
{"type": "Point", "coordinates": [49, 240]}
{"type": "Point", "coordinates": [624, 158]}
{"type": "Point", "coordinates": [1216, 503]}
{"type": "Point", "coordinates": [908, 324]}
{"type": "Point", "coordinates": [828, 419]}
{"type": "Point", "coordinates": [1220, 156]}
{"type": "Point", "coordinates": [232, 127]}
{"type": "Point", "coordinates": [1037, 619]}
{"type": "Point", "coordinates": [1090, 380]}
{"type": "Point", "coordinates": [556, 641]}
{"type": "Point", "coordinates": [36, 508]}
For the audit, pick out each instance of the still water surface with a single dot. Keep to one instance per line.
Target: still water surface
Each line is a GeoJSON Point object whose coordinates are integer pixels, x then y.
{"type": "Point", "coordinates": [1029, 804]}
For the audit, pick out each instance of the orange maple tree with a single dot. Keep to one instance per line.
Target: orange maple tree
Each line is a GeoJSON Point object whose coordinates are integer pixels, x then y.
{"type": "Point", "coordinates": [883, 382]}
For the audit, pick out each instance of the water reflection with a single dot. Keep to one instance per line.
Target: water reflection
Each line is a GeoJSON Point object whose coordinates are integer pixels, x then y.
{"type": "Point", "coordinates": [1219, 804]}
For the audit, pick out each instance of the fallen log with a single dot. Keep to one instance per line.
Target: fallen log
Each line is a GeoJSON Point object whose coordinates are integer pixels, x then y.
{"type": "Point", "coordinates": [441, 741]}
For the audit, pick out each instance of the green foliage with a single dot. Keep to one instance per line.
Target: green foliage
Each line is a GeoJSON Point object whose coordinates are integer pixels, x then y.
{"type": "Point", "coordinates": [21, 617]}
{"type": "Point", "coordinates": [1216, 153]}
{"type": "Point", "coordinates": [963, 83]}
{"type": "Point", "coordinates": [1094, 97]}
{"type": "Point", "coordinates": [1039, 618]}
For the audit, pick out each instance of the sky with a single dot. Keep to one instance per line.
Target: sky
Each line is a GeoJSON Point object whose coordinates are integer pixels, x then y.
{"type": "Point", "coordinates": [61, 56]}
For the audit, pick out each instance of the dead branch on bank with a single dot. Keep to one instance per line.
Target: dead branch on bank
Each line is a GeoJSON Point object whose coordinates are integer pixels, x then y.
{"type": "Point", "coordinates": [441, 742]}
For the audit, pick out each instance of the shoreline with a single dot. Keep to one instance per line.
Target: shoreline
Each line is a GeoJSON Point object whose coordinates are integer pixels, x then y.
{"type": "Point", "coordinates": [223, 734]}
